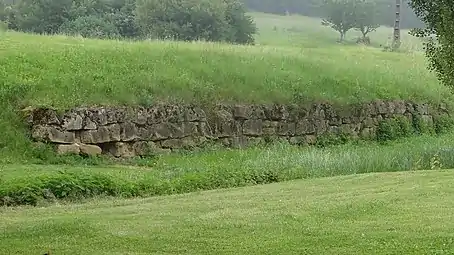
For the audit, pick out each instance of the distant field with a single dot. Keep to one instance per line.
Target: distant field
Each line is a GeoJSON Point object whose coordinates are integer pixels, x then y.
{"type": "Point", "coordinates": [300, 31]}
{"type": "Point", "coordinates": [388, 213]}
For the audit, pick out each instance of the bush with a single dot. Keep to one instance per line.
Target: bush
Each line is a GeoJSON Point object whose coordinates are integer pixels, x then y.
{"type": "Point", "coordinates": [90, 27]}
{"type": "Point", "coordinates": [188, 20]}
{"type": "Point", "coordinates": [392, 129]}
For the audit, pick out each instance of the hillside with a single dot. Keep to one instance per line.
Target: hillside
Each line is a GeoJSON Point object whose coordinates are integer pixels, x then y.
{"type": "Point", "coordinates": [65, 72]}
{"type": "Point", "coordinates": [388, 213]}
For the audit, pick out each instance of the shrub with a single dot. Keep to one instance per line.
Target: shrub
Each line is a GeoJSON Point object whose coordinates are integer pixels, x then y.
{"type": "Point", "coordinates": [90, 27]}
{"type": "Point", "coordinates": [395, 128]}
{"type": "Point", "coordinates": [443, 124]}
{"type": "Point", "coordinates": [188, 20]}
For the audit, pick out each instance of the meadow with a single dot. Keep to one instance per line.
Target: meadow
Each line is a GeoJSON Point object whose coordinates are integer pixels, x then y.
{"type": "Point", "coordinates": [381, 204]}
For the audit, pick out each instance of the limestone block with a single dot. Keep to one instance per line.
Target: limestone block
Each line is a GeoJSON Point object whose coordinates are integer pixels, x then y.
{"type": "Point", "coordinates": [90, 149]}
{"type": "Point", "coordinates": [63, 149]}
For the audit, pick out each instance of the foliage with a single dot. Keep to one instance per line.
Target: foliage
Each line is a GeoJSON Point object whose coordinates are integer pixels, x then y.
{"type": "Point", "coordinates": [188, 20]}
{"type": "Point", "coordinates": [40, 16]}
{"type": "Point", "coordinates": [123, 16]}
{"type": "Point", "coordinates": [242, 27]}
{"type": "Point", "coordinates": [344, 15]}
{"type": "Point", "coordinates": [340, 15]}
{"type": "Point", "coordinates": [366, 18]}
{"type": "Point", "coordinates": [90, 26]}
{"type": "Point", "coordinates": [438, 15]}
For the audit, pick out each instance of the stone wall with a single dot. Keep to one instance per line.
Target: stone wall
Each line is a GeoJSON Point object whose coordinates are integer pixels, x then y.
{"type": "Point", "coordinates": [140, 131]}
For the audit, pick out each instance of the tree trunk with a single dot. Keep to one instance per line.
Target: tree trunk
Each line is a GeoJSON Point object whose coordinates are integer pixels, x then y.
{"type": "Point", "coordinates": [396, 34]}
{"type": "Point", "coordinates": [342, 36]}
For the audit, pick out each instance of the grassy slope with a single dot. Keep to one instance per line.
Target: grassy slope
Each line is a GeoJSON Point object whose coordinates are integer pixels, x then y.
{"type": "Point", "coordinates": [398, 213]}
{"type": "Point", "coordinates": [64, 71]}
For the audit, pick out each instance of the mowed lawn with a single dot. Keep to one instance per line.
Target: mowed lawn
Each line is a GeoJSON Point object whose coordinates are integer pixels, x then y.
{"type": "Point", "coordinates": [386, 213]}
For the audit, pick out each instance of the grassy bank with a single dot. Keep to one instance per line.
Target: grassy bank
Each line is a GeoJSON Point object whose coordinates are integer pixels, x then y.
{"type": "Point", "coordinates": [392, 213]}
{"type": "Point", "coordinates": [65, 72]}
{"type": "Point", "coordinates": [181, 173]}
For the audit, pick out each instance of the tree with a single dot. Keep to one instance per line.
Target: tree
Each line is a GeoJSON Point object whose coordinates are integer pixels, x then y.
{"type": "Point", "coordinates": [340, 15]}
{"type": "Point", "coordinates": [438, 16]}
{"type": "Point", "coordinates": [241, 26]}
{"type": "Point", "coordinates": [366, 17]}
{"type": "Point", "coordinates": [90, 27]}
{"type": "Point", "coordinates": [188, 20]}
{"type": "Point", "coordinates": [41, 16]}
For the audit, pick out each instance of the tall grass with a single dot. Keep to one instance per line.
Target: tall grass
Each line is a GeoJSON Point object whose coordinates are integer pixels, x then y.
{"type": "Point", "coordinates": [180, 173]}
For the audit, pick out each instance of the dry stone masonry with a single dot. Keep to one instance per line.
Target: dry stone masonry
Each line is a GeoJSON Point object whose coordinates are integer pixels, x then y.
{"type": "Point", "coordinates": [141, 131]}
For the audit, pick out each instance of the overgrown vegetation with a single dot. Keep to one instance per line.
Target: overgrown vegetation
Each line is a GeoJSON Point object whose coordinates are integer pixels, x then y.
{"type": "Point", "coordinates": [213, 169]}
{"type": "Point", "coordinates": [188, 20]}
{"type": "Point", "coordinates": [438, 15]}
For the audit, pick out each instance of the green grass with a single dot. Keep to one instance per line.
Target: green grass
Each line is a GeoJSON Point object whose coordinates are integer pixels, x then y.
{"type": "Point", "coordinates": [213, 169]}
{"type": "Point", "coordinates": [387, 213]}
{"type": "Point", "coordinates": [296, 61]}
{"type": "Point", "coordinates": [66, 71]}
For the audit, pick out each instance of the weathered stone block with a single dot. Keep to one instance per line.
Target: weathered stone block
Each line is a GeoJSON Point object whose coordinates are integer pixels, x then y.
{"type": "Point", "coordinates": [90, 149]}
{"type": "Point", "coordinates": [63, 149]}
{"type": "Point", "coordinates": [120, 149]}
{"type": "Point", "coordinates": [286, 129]}
{"type": "Point", "coordinates": [190, 129]}
{"type": "Point", "coordinates": [242, 112]}
{"type": "Point", "coordinates": [204, 129]}
{"type": "Point", "coordinates": [88, 124]}
{"type": "Point", "coordinates": [305, 127]}
{"type": "Point", "coordinates": [128, 132]}
{"type": "Point", "coordinates": [252, 127]}
{"type": "Point", "coordinates": [52, 134]}
{"type": "Point", "coordinates": [72, 121]}
{"type": "Point", "coordinates": [276, 112]}
{"type": "Point", "coordinates": [103, 134]}
{"type": "Point", "coordinates": [162, 131]}
{"type": "Point", "coordinates": [321, 126]}
{"type": "Point", "coordinates": [140, 116]}
{"type": "Point", "coordinates": [183, 143]}
{"type": "Point", "coordinates": [144, 133]}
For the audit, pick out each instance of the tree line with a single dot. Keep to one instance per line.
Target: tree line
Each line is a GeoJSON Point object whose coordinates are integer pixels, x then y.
{"type": "Point", "coordinates": [313, 8]}
{"type": "Point", "coordinates": [184, 20]}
